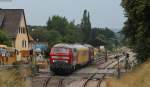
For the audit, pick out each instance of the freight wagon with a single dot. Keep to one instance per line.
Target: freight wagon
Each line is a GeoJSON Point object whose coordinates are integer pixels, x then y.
{"type": "Point", "coordinates": [66, 58]}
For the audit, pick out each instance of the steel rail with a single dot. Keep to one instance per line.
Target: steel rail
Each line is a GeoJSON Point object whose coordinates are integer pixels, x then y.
{"type": "Point", "coordinates": [100, 81]}
{"type": "Point", "coordinates": [86, 82]}
{"type": "Point", "coordinates": [60, 84]}
{"type": "Point", "coordinates": [46, 82]}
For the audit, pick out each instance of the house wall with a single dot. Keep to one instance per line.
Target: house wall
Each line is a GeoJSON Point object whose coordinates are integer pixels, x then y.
{"type": "Point", "coordinates": [21, 42]}
{"type": "Point", "coordinates": [12, 42]}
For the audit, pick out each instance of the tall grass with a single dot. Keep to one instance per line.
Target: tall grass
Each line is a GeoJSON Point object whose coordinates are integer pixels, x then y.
{"type": "Point", "coordinates": [12, 78]}
{"type": "Point", "coordinates": [140, 77]}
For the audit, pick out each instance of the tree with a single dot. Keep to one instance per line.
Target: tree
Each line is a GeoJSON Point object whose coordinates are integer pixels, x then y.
{"type": "Point", "coordinates": [65, 31]}
{"type": "Point", "coordinates": [54, 37]}
{"type": "Point", "coordinates": [72, 33]}
{"type": "Point", "coordinates": [57, 23]}
{"type": "Point", "coordinates": [104, 36]}
{"type": "Point", "coordinates": [136, 28]}
{"type": "Point", "coordinates": [86, 26]}
{"type": "Point", "coordinates": [39, 34]}
{"type": "Point", "coordinates": [49, 24]}
{"type": "Point", "coordinates": [4, 39]}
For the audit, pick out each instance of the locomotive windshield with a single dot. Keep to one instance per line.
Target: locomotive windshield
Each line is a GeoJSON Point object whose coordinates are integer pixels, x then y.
{"type": "Point", "coordinates": [60, 50]}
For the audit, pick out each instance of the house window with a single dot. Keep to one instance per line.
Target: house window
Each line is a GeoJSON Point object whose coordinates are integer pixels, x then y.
{"type": "Point", "coordinates": [24, 43]}
{"type": "Point", "coordinates": [20, 30]}
{"type": "Point", "coordinates": [24, 30]}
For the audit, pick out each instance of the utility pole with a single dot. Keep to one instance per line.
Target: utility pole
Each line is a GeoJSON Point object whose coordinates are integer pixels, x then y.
{"type": "Point", "coordinates": [118, 66]}
{"type": "Point", "coordinates": [106, 56]}
{"type": "Point", "coordinates": [127, 61]}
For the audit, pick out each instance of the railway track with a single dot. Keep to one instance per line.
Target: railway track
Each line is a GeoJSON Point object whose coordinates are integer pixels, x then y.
{"type": "Point", "coordinates": [53, 82]}
{"type": "Point", "coordinates": [99, 60]}
{"type": "Point", "coordinates": [60, 83]}
{"type": "Point", "coordinates": [87, 78]}
{"type": "Point", "coordinates": [46, 81]}
{"type": "Point", "coordinates": [98, 81]}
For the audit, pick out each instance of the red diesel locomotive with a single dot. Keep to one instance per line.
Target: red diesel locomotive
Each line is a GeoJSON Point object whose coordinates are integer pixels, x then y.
{"type": "Point", "coordinates": [65, 58]}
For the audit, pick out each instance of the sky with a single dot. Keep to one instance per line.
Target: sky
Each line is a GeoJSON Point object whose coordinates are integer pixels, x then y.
{"type": "Point", "coordinates": [104, 13]}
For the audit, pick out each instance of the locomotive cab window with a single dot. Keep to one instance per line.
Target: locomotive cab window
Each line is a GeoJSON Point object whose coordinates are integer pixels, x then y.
{"type": "Point", "coordinates": [60, 50]}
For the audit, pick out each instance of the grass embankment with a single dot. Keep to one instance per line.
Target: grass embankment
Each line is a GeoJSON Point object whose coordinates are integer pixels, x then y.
{"type": "Point", "coordinates": [140, 77]}
{"type": "Point", "coordinates": [12, 78]}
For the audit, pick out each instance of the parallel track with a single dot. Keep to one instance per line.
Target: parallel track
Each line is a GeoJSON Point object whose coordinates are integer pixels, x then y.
{"type": "Point", "coordinates": [46, 82]}
{"type": "Point", "coordinates": [91, 77]}
{"type": "Point", "coordinates": [100, 59]}
{"type": "Point", "coordinates": [60, 84]}
{"type": "Point", "coordinates": [100, 81]}
{"type": "Point", "coordinates": [49, 79]}
{"type": "Point", "coordinates": [85, 84]}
